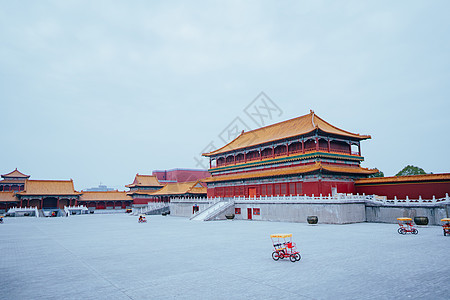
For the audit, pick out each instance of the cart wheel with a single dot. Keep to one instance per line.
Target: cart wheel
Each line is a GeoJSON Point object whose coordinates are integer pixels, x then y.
{"type": "Point", "coordinates": [400, 230]}
{"type": "Point", "coordinates": [415, 231]}
{"type": "Point", "coordinates": [293, 258]}
{"type": "Point", "coordinates": [298, 256]}
{"type": "Point", "coordinates": [275, 255]}
{"type": "Point", "coordinates": [281, 254]}
{"type": "Point", "coordinates": [445, 233]}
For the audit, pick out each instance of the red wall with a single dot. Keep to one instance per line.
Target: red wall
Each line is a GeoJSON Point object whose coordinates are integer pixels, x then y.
{"type": "Point", "coordinates": [292, 188]}
{"type": "Point", "coordinates": [412, 190]}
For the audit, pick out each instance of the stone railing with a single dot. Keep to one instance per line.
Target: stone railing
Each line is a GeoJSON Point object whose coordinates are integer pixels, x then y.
{"type": "Point", "coordinates": [78, 208]}
{"type": "Point", "coordinates": [407, 201]}
{"type": "Point", "coordinates": [195, 200]}
{"type": "Point", "coordinates": [338, 198]}
{"type": "Point", "coordinates": [23, 210]}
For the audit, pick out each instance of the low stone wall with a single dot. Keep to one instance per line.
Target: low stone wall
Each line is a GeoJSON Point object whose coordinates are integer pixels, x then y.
{"type": "Point", "coordinates": [328, 210]}
{"type": "Point", "coordinates": [389, 214]}
{"type": "Point", "coordinates": [332, 213]}
{"type": "Point", "coordinates": [183, 208]}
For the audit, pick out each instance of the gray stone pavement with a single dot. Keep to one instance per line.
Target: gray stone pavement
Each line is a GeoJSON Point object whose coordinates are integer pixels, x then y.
{"type": "Point", "coordinates": [114, 257]}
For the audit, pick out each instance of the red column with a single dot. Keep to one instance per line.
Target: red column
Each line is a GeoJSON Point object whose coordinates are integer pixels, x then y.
{"type": "Point", "coordinates": [317, 144]}
{"type": "Point", "coordinates": [359, 148]}
{"type": "Point", "coordinates": [210, 162]}
{"type": "Point", "coordinates": [303, 146]}
{"type": "Point", "coordinates": [287, 149]}
{"type": "Point", "coordinates": [57, 202]}
{"type": "Point", "coordinates": [245, 157]}
{"type": "Point", "coordinates": [260, 154]}
{"type": "Point", "coordinates": [42, 203]}
{"type": "Point", "coordinates": [234, 158]}
{"type": "Point", "coordinates": [273, 152]}
{"type": "Point", "coordinates": [329, 147]}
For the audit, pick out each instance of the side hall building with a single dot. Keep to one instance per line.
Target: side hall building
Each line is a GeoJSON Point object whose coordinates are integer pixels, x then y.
{"type": "Point", "coordinates": [302, 156]}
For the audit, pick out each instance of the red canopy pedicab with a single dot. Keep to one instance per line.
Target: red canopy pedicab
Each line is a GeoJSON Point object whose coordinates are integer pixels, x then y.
{"type": "Point", "coordinates": [142, 219]}
{"type": "Point", "coordinates": [284, 247]}
{"type": "Point", "coordinates": [406, 226]}
{"type": "Point", "coordinates": [446, 226]}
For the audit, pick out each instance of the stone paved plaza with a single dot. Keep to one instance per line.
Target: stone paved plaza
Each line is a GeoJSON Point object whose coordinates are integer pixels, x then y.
{"type": "Point", "coordinates": [114, 257]}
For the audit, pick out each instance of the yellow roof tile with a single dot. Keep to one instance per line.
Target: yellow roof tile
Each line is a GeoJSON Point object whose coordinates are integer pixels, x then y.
{"type": "Point", "coordinates": [144, 180]}
{"type": "Point", "coordinates": [15, 173]}
{"type": "Point", "coordinates": [287, 129]}
{"type": "Point", "coordinates": [180, 188]}
{"type": "Point", "coordinates": [49, 187]}
{"type": "Point", "coordinates": [398, 179]}
{"type": "Point", "coordinates": [7, 197]}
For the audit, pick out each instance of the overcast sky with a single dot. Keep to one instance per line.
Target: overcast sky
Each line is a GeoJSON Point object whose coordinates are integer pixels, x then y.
{"type": "Point", "coordinates": [98, 91]}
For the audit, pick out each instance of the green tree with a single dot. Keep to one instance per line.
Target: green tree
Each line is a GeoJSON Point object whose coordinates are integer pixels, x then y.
{"type": "Point", "coordinates": [411, 170]}
{"type": "Point", "coordinates": [378, 174]}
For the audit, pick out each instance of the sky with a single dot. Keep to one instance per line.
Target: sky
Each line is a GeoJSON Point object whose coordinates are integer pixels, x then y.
{"type": "Point", "coordinates": [97, 91]}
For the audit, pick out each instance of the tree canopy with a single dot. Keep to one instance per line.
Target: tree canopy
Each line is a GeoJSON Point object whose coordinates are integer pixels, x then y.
{"type": "Point", "coordinates": [411, 170]}
{"type": "Point", "coordinates": [379, 174]}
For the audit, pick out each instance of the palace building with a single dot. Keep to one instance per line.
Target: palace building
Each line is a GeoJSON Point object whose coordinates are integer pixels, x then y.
{"type": "Point", "coordinates": [48, 194]}
{"type": "Point", "coordinates": [13, 181]}
{"type": "Point", "coordinates": [143, 187]}
{"type": "Point", "coordinates": [301, 156]}
{"type": "Point", "coordinates": [180, 189]}
{"type": "Point", "coordinates": [105, 199]}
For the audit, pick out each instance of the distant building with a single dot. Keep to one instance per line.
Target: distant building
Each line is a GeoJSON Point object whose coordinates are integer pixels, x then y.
{"type": "Point", "coordinates": [100, 188]}
{"type": "Point", "coordinates": [13, 181]}
{"type": "Point", "coordinates": [142, 187]}
{"type": "Point", "coordinates": [180, 175]}
{"type": "Point", "coordinates": [105, 199]}
{"type": "Point", "coordinates": [179, 189]}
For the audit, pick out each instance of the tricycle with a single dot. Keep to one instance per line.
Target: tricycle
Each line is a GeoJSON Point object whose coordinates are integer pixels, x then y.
{"type": "Point", "coordinates": [446, 226]}
{"type": "Point", "coordinates": [284, 247]}
{"type": "Point", "coordinates": [406, 226]}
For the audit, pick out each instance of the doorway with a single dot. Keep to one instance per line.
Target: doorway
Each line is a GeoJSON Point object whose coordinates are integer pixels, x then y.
{"type": "Point", "coordinates": [251, 192]}
{"type": "Point", "coordinates": [249, 213]}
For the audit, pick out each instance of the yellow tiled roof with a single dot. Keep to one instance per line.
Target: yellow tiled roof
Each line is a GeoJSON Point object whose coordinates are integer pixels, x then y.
{"type": "Point", "coordinates": [15, 173]}
{"type": "Point", "coordinates": [291, 171]}
{"type": "Point", "coordinates": [397, 179]}
{"type": "Point", "coordinates": [145, 180]}
{"type": "Point", "coordinates": [142, 192]}
{"type": "Point", "coordinates": [180, 188]}
{"type": "Point", "coordinates": [290, 128]}
{"type": "Point", "coordinates": [49, 187]}
{"type": "Point", "coordinates": [105, 196]}
{"type": "Point", "coordinates": [7, 197]}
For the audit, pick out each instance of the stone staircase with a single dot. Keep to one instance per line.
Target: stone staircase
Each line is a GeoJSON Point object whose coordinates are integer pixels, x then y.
{"type": "Point", "coordinates": [213, 211]}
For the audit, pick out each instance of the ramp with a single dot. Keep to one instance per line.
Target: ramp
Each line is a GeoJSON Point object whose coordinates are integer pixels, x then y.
{"type": "Point", "coordinates": [212, 211]}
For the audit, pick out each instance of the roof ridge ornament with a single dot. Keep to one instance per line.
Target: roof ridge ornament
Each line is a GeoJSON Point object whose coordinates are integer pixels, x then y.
{"type": "Point", "coordinates": [312, 117]}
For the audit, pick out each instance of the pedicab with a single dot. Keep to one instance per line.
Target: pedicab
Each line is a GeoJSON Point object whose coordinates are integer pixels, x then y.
{"type": "Point", "coordinates": [446, 226]}
{"type": "Point", "coordinates": [406, 226]}
{"type": "Point", "coordinates": [284, 247]}
{"type": "Point", "coordinates": [142, 219]}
